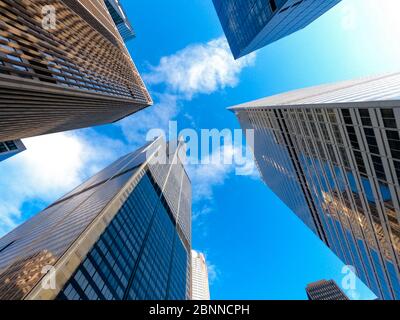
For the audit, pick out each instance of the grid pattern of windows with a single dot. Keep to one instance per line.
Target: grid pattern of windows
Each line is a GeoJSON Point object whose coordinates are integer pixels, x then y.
{"type": "Point", "coordinates": [139, 256]}
{"type": "Point", "coordinates": [8, 146]}
{"type": "Point", "coordinates": [344, 162]}
{"type": "Point", "coordinates": [325, 290]}
{"type": "Point", "coordinates": [252, 24]}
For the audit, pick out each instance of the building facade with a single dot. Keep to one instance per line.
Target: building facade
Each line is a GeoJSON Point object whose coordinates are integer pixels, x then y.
{"type": "Point", "coordinates": [63, 66]}
{"type": "Point", "coordinates": [325, 290]}
{"type": "Point", "coordinates": [332, 154]}
{"type": "Point", "coordinates": [120, 19]}
{"type": "Point", "coordinates": [252, 24]}
{"type": "Point", "coordinates": [200, 285]}
{"type": "Point", "coordinates": [10, 148]}
{"type": "Point", "coordinates": [124, 234]}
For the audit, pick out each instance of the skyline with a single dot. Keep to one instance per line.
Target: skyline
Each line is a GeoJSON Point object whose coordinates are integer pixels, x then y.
{"type": "Point", "coordinates": [237, 82]}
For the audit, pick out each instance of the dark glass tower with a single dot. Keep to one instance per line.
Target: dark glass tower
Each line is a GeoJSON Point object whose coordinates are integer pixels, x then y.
{"type": "Point", "coordinates": [325, 290]}
{"type": "Point", "coordinates": [332, 154]}
{"type": "Point", "coordinates": [252, 24]}
{"type": "Point", "coordinates": [123, 234]}
{"type": "Point", "coordinates": [63, 66]}
{"type": "Point", "coordinates": [118, 14]}
{"type": "Point", "coordinates": [10, 148]}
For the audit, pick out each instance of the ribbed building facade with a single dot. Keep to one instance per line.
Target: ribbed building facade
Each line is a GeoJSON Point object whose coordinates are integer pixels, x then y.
{"type": "Point", "coordinates": [124, 234]}
{"type": "Point", "coordinates": [252, 24]}
{"type": "Point", "coordinates": [325, 290]}
{"type": "Point", "coordinates": [200, 285]}
{"type": "Point", "coordinates": [63, 66]}
{"type": "Point", "coordinates": [332, 154]}
{"type": "Point", "coordinates": [10, 148]}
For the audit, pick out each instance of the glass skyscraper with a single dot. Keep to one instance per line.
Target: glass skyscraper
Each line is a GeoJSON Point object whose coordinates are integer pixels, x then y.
{"type": "Point", "coordinates": [332, 154]}
{"type": "Point", "coordinates": [124, 234]}
{"type": "Point", "coordinates": [252, 24]}
{"type": "Point", "coordinates": [325, 290]}
{"type": "Point", "coordinates": [10, 148]}
{"type": "Point", "coordinates": [118, 14]}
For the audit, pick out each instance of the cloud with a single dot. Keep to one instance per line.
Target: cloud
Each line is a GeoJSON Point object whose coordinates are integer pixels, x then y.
{"type": "Point", "coordinates": [199, 69]}
{"type": "Point", "coordinates": [215, 168]}
{"type": "Point", "coordinates": [213, 273]}
{"type": "Point", "coordinates": [51, 166]}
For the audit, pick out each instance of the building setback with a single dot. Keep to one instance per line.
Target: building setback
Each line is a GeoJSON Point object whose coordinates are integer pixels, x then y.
{"type": "Point", "coordinates": [124, 234]}
{"type": "Point", "coordinates": [332, 154]}
{"type": "Point", "coordinates": [252, 24]}
{"type": "Point", "coordinates": [63, 66]}
{"type": "Point", "coordinates": [200, 286]}
{"type": "Point", "coordinates": [325, 290]}
{"type": "Point", "coordinates": [10, 148]}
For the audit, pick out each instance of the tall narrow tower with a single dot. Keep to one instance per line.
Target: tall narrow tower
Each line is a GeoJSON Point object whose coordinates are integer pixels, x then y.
{"type": "Point", "coordinates": [325, 290]}
{"type": "Point", "coordinates": [200, 285]}
{"type": "Point", "coordinates": [123, 234]}
{"type": "Point", "coordinates": [332, 154]}
{"type": "Point", "coordinates": [63, 66]}
{"type": "Point", "coordinates": [252, 24]}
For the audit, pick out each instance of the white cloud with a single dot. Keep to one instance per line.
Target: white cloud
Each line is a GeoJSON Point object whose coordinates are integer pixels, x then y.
{"type": "Point", "coordinates": [214, 169]}
{"type": "Point", "coordinates": [199, 69]}
{"type": "Point", "coordinates": [51, 166]}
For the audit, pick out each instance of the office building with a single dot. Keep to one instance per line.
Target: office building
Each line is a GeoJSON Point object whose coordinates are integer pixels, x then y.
{"type": "Point", "coordinates": [252, 24]}
{"type": "Point", "coordinates": [325, 290]}
{"type": "Point", "coordinates": [10, 148]}
{"type": "Point", "coordinates": [200, 286]}
{"type": "Point", "coordinates": [120, 19]}
{"type": "Point", "coordinates": [63, 66]}
{"type": "Point", "coordinates": [124, 234]}
{"type": "Point", "coordinates": [332, 154]}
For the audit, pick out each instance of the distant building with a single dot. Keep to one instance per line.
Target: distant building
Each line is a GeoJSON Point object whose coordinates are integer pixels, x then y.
{"type": "Point", "coordinates": [120, 19]}
{"type": "Point", "coordinates": [325, 290]}
{"type": "Point", "coordinates": [332, 154]}
{"type": "Point", "coordinates": [252, 24]}
{"type": "Point", "coordinates": [200, 285]}
{"type": "Point", "coordinates": [124, 234]}
{"type": "Point", "coordinates": [63, 66]}
{"type": "Point", "coordinates": [10, 148]}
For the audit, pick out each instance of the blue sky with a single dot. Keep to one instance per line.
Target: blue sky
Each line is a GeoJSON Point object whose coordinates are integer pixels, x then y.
{"type": "Point", "coordinates": [255, 246]}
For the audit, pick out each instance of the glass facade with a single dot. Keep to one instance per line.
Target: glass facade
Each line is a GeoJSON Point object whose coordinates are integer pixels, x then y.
{"type": "Point", "coordinates": [139, 256]}
{"type": "Point", "coordinates": [118, 231]}
{"type": "Point", "coordinates": [120, 19]}
{"type": "Point", "coordinates": [342, 162]}
{"type": "Point", "coordinates": [252, 24]}
{"type": "Point", "coordinates": [10, 148]}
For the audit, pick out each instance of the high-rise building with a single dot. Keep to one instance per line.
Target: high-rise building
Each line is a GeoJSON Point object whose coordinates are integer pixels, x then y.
{"type": "Point", "coordinates": [325, 290]}
{"type": "Point", "coordinates": [63, 66]}
{"type": "Point", "coordinates": [332, 154]}
{"type": "Point", "coordinates": [118, 14]}
{"type": "Point", "coordinates": [252, 24]}
{"type": "Point", "coordinates": [200, 286]}
{"type": "Point", "coordinates": [10, 148]}
{"type": "Point", "coordinates": [123, 234]}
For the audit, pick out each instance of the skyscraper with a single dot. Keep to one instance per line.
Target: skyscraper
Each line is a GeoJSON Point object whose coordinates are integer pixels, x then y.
{"type": "Point", "coordinates": [120, 19]}
{"type": "Point", "coordinates": [252, 24]}
{"type": "Point", "coordinates": [10, 148]}
{"type": "Point", "coordinates": [63, 66]}
{"type": "Point", "coordinates": [123, 234]}
{"type": "Point", "coordinates": [325, 290]}
{"type": "Point", "coordinates": [200, 286]}
{"type": "Point", "coordinates": [332, 154]}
